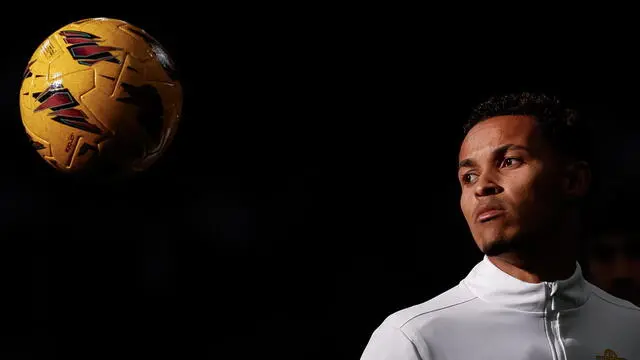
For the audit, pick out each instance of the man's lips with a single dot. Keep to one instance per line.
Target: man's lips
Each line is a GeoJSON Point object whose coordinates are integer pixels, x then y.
{"type": "Point", "coordinates": [489, 215]}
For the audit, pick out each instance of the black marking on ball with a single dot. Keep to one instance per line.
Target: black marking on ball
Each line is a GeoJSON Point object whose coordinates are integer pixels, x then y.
{"type": "Point", "coordinates": [150, 109]}
{"type": "Point", "coordinates": [86, 147]}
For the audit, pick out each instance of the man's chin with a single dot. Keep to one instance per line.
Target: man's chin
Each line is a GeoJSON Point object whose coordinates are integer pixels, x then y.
{"type": "Point", "coordinates": [498, 247]}
{"type": "Point", "coordinates": [497, 240]}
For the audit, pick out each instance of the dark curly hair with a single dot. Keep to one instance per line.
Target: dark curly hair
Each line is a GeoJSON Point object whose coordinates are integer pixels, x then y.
{"type": "Point", "coordinates": [561, 126]}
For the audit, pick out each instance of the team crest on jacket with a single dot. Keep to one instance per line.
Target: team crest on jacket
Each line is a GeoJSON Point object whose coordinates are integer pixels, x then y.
{"type": "Point", "coordinates": [609, 355]}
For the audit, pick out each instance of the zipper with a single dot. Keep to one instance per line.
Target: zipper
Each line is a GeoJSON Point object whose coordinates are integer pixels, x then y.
{"type": "Point", "coordinates": [552, 323]}
{"type": "Point", "coordinates": [563, 352]}
{"type": "Point", "coordinates": [548, 326]}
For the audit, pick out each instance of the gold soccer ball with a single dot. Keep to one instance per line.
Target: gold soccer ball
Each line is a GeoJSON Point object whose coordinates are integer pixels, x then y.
{"type": "Point", "coordinates": [100, 93]}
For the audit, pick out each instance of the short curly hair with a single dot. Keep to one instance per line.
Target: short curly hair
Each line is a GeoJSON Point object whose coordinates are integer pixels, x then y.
{"type": "Point", "coordinates": [561, 126]}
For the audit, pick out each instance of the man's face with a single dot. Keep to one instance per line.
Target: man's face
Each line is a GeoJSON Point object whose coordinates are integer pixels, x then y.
{"type": "Point", "coordinates": [614, 264]}
{"type": "Point", "coordinates": [508, 169]}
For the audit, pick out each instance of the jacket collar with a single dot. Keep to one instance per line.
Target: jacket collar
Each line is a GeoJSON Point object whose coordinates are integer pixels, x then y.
{"type": "Point", "coordinates": [490, 284]}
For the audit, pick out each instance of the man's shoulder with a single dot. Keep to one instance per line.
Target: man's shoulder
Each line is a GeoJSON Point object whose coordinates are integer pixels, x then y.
{"type": "Point", "coordinates": [611, 302]}
{"type": "Point", "coordinates": [448, 303]}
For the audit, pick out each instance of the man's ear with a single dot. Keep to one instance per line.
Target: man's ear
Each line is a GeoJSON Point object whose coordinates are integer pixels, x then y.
{"type": "Point", "coordinates": [577, 179]}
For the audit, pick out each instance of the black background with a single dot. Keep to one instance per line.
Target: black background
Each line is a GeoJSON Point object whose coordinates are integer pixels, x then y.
{"type": "Point", "coordinates": [310, 191]}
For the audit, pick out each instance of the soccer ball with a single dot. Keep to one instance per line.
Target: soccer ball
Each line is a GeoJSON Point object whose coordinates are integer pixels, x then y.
{"type": "Point", "coordinates": [100, 93]}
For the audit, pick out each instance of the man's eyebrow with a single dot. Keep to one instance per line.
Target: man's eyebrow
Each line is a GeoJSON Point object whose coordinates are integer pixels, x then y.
{"type": "Point", "coordinates": [506, 147]}
{"type": "Point", "coordinates": [466, 163]}
{"type": "Point", "coordinates": [500, 149]}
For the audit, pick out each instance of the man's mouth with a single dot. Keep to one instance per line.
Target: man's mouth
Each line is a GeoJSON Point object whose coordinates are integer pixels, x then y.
{"type": "Point", "coordinates": [490, 215]}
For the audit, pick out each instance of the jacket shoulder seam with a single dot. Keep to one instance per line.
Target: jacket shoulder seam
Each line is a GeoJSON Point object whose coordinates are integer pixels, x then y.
{"type": "Point", "coordinates": [613, 303]}
{"type": "Point", "coordinates": [438, 309]}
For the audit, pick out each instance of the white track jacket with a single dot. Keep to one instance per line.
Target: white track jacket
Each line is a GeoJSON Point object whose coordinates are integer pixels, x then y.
{"type": "Point", "coordinates": [491, 315]}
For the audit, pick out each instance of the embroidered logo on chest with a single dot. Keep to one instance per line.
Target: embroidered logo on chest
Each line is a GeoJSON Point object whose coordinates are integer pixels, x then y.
{"type": "Point", "coordinates": [609, 355]}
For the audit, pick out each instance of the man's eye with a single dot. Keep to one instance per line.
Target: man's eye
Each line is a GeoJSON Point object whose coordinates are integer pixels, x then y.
{"type": "Point", "coordinates": [509, 162]}
{"type": "Point", "coordinates": [468, 178]}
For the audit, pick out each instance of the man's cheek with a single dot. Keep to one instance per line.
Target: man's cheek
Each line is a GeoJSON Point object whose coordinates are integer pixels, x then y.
{"type": "Point", "coordinates": [466, 207]}
{"type": "Point", "coordinates": [532, 200]}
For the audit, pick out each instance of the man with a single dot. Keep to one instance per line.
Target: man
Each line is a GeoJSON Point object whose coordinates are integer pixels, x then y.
{"type": "Point", "coordinates": [613, 253]}
{"type": "Point", "coordinates": [524, 172]}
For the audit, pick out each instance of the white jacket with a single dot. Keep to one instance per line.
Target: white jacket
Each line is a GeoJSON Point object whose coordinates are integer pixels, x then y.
{"type": "Point", "coordinates": [494, 316]}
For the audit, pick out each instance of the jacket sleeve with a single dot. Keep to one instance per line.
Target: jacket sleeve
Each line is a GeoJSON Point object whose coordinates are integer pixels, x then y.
{"type": "Point", "coordinates": [390, 343]}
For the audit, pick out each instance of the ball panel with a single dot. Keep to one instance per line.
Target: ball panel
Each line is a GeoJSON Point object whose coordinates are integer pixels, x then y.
{"type": "Point", "coordinates": [78, 83]}
{"type": "Point", "coordinates": [50, 50]}
{"type": "Point", "coordinates": [35, 77]}
{"type": "Point", "coordinates": [153, 153]}
{"type": "Point", "coordinates": [26, 100]}
{"type": "Point", "coordinates": [159, 62]}
{"type": "Point", "coordinates": [132, 71]}
{"type": "Point", "coordinates": [171, 101]}
{"type": "Point", "coordinates": [156, 72]}
{"type": "Point", "coordinates": [136, 40]}
{"type": "Point", "coordinates": [83, 153]}
{"type": "Point", "coordinates": [40, 72]}
{"type": "Point", "coordinates": [106, 77]}
{"type": "Point", "coordinates": [105, 106]}
{"type": "Point", "coordinates": [41, 145]}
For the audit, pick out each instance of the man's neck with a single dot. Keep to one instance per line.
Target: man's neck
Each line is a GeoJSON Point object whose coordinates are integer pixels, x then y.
{"type": "Point", "coordinates": [542, 269]}
{"type": "Point", "coordinates": [549, 257]}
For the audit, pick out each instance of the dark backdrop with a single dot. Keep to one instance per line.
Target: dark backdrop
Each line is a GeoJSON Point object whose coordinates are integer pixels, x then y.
{"type": "Point", "coordinates": [310, 191]}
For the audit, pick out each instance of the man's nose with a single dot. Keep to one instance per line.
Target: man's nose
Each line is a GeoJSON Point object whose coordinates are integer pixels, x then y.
{"type": "Point", "coordinates": [487, 185]}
